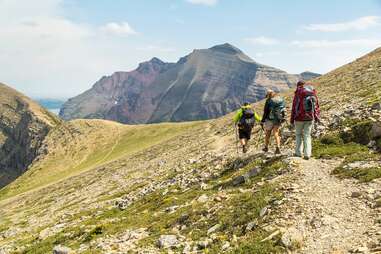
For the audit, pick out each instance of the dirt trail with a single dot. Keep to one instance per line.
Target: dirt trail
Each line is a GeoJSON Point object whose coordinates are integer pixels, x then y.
{"type": "Point", "coordinates": [322, 210]}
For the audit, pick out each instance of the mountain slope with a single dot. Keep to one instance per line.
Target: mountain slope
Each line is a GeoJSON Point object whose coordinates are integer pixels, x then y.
{"type": "Point", "coordinates": [23, 126]}
{"type": "Point", "coordinates": [192, 192]}
{"type": "Point", "coordinates": [205, 84]}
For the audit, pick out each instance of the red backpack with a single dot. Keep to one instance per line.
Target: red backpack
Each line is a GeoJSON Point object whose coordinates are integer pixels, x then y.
{"type": "Point", "coordinates": [306, 104]}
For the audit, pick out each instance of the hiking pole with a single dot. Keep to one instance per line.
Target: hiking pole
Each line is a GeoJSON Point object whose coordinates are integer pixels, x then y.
{"type": "Point", "coordinates": [236, 137]}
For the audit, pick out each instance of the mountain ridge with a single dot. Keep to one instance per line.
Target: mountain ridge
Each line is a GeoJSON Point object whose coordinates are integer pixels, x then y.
{"type": "Point", "coordinates": [207, 83]}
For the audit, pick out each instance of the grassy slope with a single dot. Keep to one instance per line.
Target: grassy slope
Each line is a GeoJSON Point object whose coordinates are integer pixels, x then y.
{"type": "Point", "coordinates": [350, 83]}
{"type": "Point", "coordinates": [81, 145]}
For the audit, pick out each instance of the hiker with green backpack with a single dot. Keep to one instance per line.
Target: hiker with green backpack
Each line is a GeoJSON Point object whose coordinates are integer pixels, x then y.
{"type": "Point", "coordinates": [245, 119]}
{"type": "Point", "coordinates": [272, 119]}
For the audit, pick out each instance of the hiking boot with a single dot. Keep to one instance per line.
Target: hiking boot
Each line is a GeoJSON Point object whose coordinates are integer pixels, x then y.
{"type": "Point", "coordinates": [306, 158]}
{"type": "Point", "coordinates": [244, 149]}
{"type": "Point", "coordinates": [277, 150]}
{"type": "Point", "coordinates": [265, 149]}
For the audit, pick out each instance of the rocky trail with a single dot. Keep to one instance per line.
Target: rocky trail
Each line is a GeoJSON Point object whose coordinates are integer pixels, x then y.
{"type": "Point", "coordinates": [326, 214]}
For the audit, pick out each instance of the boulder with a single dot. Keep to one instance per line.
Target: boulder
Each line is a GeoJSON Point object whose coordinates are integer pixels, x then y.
{"type": "Point", "coordinates": [214, 229]}
{"type": "Point", "coordinates": [376, 106]}
{"type": "Point", "coordinates": [375, 131]}
{"type": "Point", "coordinates": [59, 249]}
{"type": "Point", "coordinates": [292, 238]}
{"type": "Point", "coordinates": [168, 241]}
{"type": "Point", "coordinates": [203, 198]}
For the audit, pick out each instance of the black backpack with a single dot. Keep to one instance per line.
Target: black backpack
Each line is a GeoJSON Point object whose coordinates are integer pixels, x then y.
{"type": "Point", "coordinates": [247, 120]}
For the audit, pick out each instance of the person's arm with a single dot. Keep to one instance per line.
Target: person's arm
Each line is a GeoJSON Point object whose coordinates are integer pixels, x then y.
{"type": "Point", "coordinates": [292, 119]}
{"type": "Point", "coordinates": [317, 109]}
{"type": "Point", "coordinates": [237, 116]}
{"type": "Point", "coordinates": [266, 111]}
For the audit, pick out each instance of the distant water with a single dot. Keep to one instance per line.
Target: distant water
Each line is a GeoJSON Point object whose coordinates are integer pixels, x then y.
{"type": "Point", "coordinates": [55, 110]}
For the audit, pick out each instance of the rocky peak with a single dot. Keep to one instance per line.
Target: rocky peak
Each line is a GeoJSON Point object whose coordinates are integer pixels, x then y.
{"type": "Point", "coordinates": [226, 48]}
{"type": "Point", "coordinates": [153, 65]}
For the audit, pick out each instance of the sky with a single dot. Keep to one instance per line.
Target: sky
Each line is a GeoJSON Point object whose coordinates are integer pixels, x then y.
{"type": "Point", "coordinates": [60, 48]}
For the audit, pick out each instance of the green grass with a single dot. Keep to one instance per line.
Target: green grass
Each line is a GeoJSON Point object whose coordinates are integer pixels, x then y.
{"type": "Point", "coordinates": [149, 212]}
{"type": "Point", "coordinates": [55, 168]}
{"type": "Point", "coordinates": [363, 175]}
{"type": "Point", "coordinates": [333, 146]}
{"type": "Point", "coordinates": [329, 151]}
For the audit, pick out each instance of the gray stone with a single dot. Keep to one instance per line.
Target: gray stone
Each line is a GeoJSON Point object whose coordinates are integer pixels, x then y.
{"type": "Point", "coordinates": [250, 226]}
{"type": "Point", "coordinates": [376, 106]}
{"type": "Point", "coordinates": [246, 177]}
{"type": "Point", "coordinates": [263, 211]}
{"type": "Point", "coordinates": [168, 241]}
{"type": "Point", "coordinates": [375, 132]}
{"type": "Point", "coordinates": [203, 244]}
{"type": "Point", "coordinates": [214, 229]}
{"type": "Point", "coordinates": [238, 180]}
{"type": "Point", "coordinates": [356, 194]}
{"type": "Point", "coordinates": [61, 250]}
{"type": "Point", "coordinates": [292, 237]}
{"type": "Point", "coordinates": [225, 246]}
{"type": "Point", "coordinates": [203, 198]}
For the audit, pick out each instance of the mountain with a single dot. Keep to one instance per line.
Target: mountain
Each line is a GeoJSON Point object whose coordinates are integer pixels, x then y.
{"type": "Point", "coordinates": [23, 126]}
{"type": "Point", "coordinates": [104, 187]}
{"type": "Point", "coordinates": [308, 75]}
{"type": "Point", "coordinates": [205, 84]}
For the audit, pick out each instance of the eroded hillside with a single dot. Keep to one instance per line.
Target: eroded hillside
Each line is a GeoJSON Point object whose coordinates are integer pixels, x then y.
{"type": "Point", "coordinates": [23, 126]}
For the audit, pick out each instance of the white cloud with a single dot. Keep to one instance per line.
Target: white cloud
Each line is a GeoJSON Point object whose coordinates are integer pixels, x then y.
{"type": "Point", "coordinates": [120, 29]}
{"type": "Point", "coordinates": [262, 40]}
{"type": "Point", "coordinates": [362, 23]}
{"type": "Point", "coordinates": [338, 43]}
{"type": "Point", "coordinates": [203, 2]}
{"type": "Point", "coordinates": [42, 53]}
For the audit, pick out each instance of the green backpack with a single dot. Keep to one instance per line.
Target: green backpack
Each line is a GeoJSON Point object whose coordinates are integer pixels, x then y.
{"type": "Point", "coordinates": [277, 107]}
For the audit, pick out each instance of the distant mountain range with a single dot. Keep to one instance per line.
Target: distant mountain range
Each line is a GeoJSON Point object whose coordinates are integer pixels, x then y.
{"type": "Point", "coordinates": [205, 84]}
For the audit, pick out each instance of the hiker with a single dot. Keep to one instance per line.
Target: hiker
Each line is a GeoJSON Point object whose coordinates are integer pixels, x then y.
{"type": "Point", "coordinates": [272, 119]}
{"type": "Point", "coordinates": [305, 111]}
{"type": "Point", "coordinates": [245, 119]}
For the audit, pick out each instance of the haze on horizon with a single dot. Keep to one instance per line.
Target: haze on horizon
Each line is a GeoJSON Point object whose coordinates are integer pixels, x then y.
{"type": "Point", "coordinates": [60, 48]}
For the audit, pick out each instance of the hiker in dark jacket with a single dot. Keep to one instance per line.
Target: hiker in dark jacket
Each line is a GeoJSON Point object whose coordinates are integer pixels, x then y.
{"type": "Point", "coordinates": [245, 119]}
{"type": "Point", "coordinates": [305, 111]}
{"type": "Point", "coordinates": [272, 119]}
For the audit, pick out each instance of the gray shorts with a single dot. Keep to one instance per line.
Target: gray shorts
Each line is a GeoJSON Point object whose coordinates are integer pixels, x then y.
{"type": "Point", "coordinates": [270, 125]}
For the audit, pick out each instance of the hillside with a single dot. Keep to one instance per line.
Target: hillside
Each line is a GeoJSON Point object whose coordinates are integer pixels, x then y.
{"type": "Point", "coordinates": [23, 125]}
{"type": "Point", "coordinates": [205, 84]}
{"type": "Point", "coordinates": [190, 192]}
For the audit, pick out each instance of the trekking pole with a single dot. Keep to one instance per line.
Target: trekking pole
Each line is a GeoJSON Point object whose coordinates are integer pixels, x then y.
{"type": "Point", "coordinates": [236, 138]}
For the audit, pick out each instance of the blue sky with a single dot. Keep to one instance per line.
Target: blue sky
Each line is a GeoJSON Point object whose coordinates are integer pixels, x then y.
{"type": "Point", "coordinates": [59, 48]}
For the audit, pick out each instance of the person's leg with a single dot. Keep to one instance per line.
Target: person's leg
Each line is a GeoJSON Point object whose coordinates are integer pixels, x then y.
{"type": "Point", "coordinates": [268, 129]}
{"type": "Point", "coordinates": [277, 138]}
{"type": "Point", "coordinates": [277, 135]}
{"type": "Point", "coordinates": [267, 140]}
{"type": "Point", "coordinates": [307, 129]}
{"type": "Point", "coordinates": [298, 137]}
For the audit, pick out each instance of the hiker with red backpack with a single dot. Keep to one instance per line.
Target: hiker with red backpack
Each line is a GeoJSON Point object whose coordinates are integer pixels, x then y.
{"type": "Point", "coordinates": [245, 119]}
{"type": "Point", "coordinates": [273, 116]}
{"type": "Point", "coordinates": [305, 111]}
